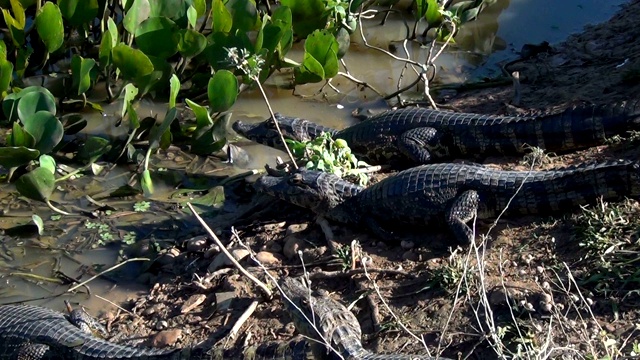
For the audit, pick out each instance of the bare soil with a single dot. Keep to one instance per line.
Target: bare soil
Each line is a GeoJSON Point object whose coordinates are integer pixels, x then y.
{"type": "Point", "coordinates": [518, 282]}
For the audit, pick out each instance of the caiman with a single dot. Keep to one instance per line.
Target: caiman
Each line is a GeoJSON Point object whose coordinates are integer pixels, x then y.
{"type": "Point", "coordinates": [38, 333]}
{"type": "Point", "coordinates": [453, 194]}
{"type": "Point", "coordinates": [413, 136]}
{"type": "Point", "coordinates": [333, 323]}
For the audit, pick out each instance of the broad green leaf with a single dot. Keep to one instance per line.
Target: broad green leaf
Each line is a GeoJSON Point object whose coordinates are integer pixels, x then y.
{"type": "Point", "coordinates": [130, 91]}
{"type": "Point", "coordinates": [78, 12]}
{"type": "Point", "coordinates": [37, 184]}
{"type": "Point", "coordinates": [46, 129]}
{"type": "Point", "coordinates": [174, 10]}
{"type": "Point", "coordinates": [139, 11]}
{"type": "Point", "coordinates": [344, 41]}
{"type": "Point", "coordinates": [421, 7]}
{"type": "Point", "coordinates": [48, 163]}
{"type": "Point", "coordinates": [158, 132]}
{"type": "Point", "coordinates": [203, 119]}
{"type": "Point", "coordinates": [131, 62]}
{"type": "Point", "coordinates": [93, 148]}
{"type": "Point", "coordinates": [15, 24]}
{"type": "Point", "coordinates": [6, 75]}
{"type": "Point", "coordinates": [276, 34]}
{"type": "Point", "coordinates": [308, 15]}
{"type": "Point", "coordinates": [109, 41]}
{"type": "Point", "coordinates": [3, 50]}
{"type": "Point", "coordinates": [160, 75]}
{"type": "Point", "coordinates": [20, 137]}
{"type": "Point", "coordinates": [192, 16]}
{"type": "Point", "coordinates": [37, 220]}
{"type": "Point", "coordinates": [433, 15]}
{"type": "Point", "coordinates": [35, 101]}
{"type": "Point", "coordinates": [245, 14]}
{"type": "Point", "coordinates": [81, 73]}
{"type": "Point", "coordinates": [221, 19]}
{"type": "Point", "coordinates": [174, 88]}
{"type": "Point", "coordinates": [146, 183]}
{"type": "Point", "coordinates": [191, 43]}
{"type": "Point", "coordinates": [222, 90]}
{"type": "Point", "coordinates": [158, 36]}
{"type": "Point", "coordinates": [200, 6]}
{"type": "Point", "coordinates": [11, 157]}
{"type": "Point", "coordinates": [49, 26]}
{"type": "Point", "coordinates": [321, 51]}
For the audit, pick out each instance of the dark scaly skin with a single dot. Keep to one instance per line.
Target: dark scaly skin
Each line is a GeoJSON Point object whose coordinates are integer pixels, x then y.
{"type": "Point", "coordinates": [452, 194]}
{"type": "Point", "coordinates": [334, 324]}
{"type": "Point", "coordinates": [420, 136]}
{"type": "Point", "coordinates": [37, 333]}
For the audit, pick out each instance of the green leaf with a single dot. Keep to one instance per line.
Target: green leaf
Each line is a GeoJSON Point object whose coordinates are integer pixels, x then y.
{"type": "Point", "coordinates": [33, 101]}
{"type": "Point", "coordinates": [6, 75]}
{"type": "Point", "coordinates": [78, 12]}
{"type": "Point", "coordinates": [15, 24]}
{"type": "Point", "coordinates": [146, 183]}
{"type": "Point", "coordinates": [48, 163]}
{"type": "Point", "coordinates": [81, 73]}
{"type": "Point", "coordinates": [203, 119]}
{"type": "Point", "coordinates": [11, 157]}
{"type": "Point", "coordinates": [158, 132]}
{"type": "Point", "coordinates": [136, 14]}
{"type": "Point", "coordinates": [221, 19]}
{"type": "Point", "coordinates": [245, 14]}
{"type": "Point", "coordinates": [432, 14]}
{"type": "Point", "coordinates": [46, 129]}
{"type": "Point", "coordinates": [131, 62]}
{"type": "Point", "coordinates": [308, 15]}
{"type": "Point", "coordinates": [37, 184]}
{"type": "Point", "coordinates": [214, 197]}
{"type": "Point", "coordinates": [130, 91]}
{"type": "Point", "coordinates": [49, 26]}
{"type": "Point", "coordinates": [192, 16]}
{"type": "Point", "coordinates": [174, 88]}
{"type": "Point", "coordinates": [222, 90]}
{"type": "Point", "coordinates": [160, 75]}
{"type": "Point", "coordinates": [19, 137]}
{"type": "Point", "coordinates": [321, 51]}
{"type": "Point", "coordinates": [37, 220]}
{"type": "Point", "coordinates": [109, 41]}
{"type": "Point", "coordinates": [191, 43]}
{"type": "Point", "coordinates": [158, 36]}
{"type": "Point", "coordinates": [93, 148]}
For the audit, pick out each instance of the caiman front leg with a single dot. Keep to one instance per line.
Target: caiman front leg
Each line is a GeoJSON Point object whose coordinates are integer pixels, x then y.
{"type": "Point", "coordinates": [462, 210]}
{"type": "Point", "coordinates": [421, 145]}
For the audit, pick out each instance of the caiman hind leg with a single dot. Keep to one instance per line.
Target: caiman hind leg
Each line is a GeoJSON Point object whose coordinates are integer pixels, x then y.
{"type": "Point", "coordinates": [462, 210]}
{"type": "Point", "coordinates": [422, 145]}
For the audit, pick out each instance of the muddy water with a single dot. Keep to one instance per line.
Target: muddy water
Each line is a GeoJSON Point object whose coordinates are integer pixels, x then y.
{"type": "Point", "coordinates": [481, 47]}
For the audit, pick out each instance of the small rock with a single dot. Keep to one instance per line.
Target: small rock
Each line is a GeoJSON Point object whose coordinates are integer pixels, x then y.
{"type": "Point", "coordinates": [267, 258]}
{"type": "Point", "coordinates": [222, 260]}
{"type": "Point", "coordinates": [411, 256]}
{"type": "Point", "coordinates": [212, 251]}
{"type": "Point", "coordinates": [169, 257]}
{"type": "Point", "coordinates": [197, 243]}
{"type": "Point", "coordinates": [292, 244]}
{"type": "Point", "coordinates": [166, 338]}
{"type": "Point", "coordinates": [296, 228]}
{"type": "Point", "coordinates": [406, 245]}
{"type": "Point", "coordinates": [161, 325]}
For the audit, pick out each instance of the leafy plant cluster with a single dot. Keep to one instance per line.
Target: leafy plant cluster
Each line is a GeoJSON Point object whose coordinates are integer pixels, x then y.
{"type": "Point", "coordinates": [333, 156]}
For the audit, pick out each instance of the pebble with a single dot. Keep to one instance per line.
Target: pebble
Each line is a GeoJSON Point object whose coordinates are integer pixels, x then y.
{"type": "Point", "coordinates": [197, 244]}
{"type": "Point", "coordinates": [411, 256]}
{"type": "Point", "coordinates": [222, 260]}
{"type": "Point", "coordinates": [161, 325]}
{"type": "Point", "coordinates": [169, 257]}
{"type": "Point", "coordinates": [212, 251]}
{"type": "Point", "coordinates": [292, 244]}
{"type": "Point", "coordinates": [166, 338]}
{"type": "Point", "coordinates": [406, 245]}
{"type": "Point", "coordinates": [296, 228]}
{"type": "Point", "coordinates": [268, 258]}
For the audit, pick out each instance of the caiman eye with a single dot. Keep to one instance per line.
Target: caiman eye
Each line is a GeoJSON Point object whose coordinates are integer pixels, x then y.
{"type": "Point", "coordinates": [296, 179]}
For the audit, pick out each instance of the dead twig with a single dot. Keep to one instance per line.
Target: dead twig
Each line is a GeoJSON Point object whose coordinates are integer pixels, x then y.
{"type": "Point", "coordinates": [104, 272]}
{"type": "Point", "coordinates": [243, 318]}
{"type": "Point", "coordinates": [261, 285]}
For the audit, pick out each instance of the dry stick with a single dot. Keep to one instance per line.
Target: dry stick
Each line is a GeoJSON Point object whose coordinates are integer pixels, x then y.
{"type": "Point", "coordinates": [243, 318]}
{"type": "Point", "coordinates": [273, 117]}
{"type": "Point", "coordinates": [260, 284]}
{"type": "Point", "coordinates": [104, 272]}
{"type": "Point", "coordinates": [116, 305]}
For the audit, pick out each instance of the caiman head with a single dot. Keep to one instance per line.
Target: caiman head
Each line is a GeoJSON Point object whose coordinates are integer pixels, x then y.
{"type": "Point", "coordinates": [265, 132]}
{"type": "Point", "coordinates": [321, 192]}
